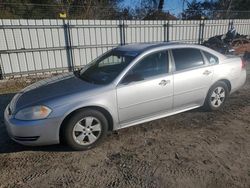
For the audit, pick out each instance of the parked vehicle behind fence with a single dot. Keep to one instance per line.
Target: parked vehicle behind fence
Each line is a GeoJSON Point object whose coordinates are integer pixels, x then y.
{"type": "Point", "coordinates": [126, 86]}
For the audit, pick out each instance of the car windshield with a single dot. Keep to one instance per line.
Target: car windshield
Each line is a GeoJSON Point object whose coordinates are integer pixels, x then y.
{"type": "Point", "coordinates": [106, 68]}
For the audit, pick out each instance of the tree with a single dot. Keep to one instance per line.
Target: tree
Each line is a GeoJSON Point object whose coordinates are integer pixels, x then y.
{"type": "Point", "coordinates": [232, 8]}
{"type": "Point", "coordinates": [28, 9]}
{"type": "Point", "coordinates": [194, 11]}
{"type": "Point", "coordinates": [152, 10]}
{"type": "Point", "coordinates": [161, 4]}
{"type": "Point", "coordinates": [92, 9]}
{"type": "Point", "coordinates": [84, 9]}
{"type": "Point", "coordinates": [243, 6]}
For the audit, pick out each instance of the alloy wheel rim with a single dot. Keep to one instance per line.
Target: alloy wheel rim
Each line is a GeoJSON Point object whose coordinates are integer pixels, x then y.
{"type": "Point", "coordinates": [87, 130]}
{"type": "Point", "coordinates": [217, 97]}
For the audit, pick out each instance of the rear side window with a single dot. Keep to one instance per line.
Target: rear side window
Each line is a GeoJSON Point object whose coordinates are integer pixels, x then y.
{"type": "Point", "coordinates": [211, 58]}
{"type": "Point", "coordinates": [186, 58]}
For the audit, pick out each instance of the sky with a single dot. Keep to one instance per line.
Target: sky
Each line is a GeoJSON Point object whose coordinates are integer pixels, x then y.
{"type": "Point", "coordinates": [174, 6]}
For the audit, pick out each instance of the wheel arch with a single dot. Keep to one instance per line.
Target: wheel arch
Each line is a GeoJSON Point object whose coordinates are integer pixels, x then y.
{"type": "Point", "coordinates": [227, 82]}
{"type": "Point", "coordinates": [104, 111]}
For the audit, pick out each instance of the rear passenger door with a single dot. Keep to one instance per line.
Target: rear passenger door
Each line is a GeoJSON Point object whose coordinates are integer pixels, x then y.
{"type": "Point", "coordinates": [192, 78]}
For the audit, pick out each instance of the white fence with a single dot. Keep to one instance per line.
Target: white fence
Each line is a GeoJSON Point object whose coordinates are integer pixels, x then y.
{"type": "Point", "coordinates": [34, 46]}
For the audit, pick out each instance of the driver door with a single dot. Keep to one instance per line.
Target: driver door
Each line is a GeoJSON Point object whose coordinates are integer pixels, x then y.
{"type": "Point", "coordinates": [147, 89]}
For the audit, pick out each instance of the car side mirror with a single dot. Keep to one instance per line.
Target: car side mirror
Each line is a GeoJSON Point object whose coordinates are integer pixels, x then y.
{"type": "Point", "coordinates": [132, 78]}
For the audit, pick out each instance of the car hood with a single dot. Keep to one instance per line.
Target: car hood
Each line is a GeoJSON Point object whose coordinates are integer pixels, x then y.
{"type": "Point", "coordinates": [47, 89]}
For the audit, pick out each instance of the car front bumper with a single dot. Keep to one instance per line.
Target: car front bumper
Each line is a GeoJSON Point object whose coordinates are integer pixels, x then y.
{"type": "Point", "coordinates": [32, 133]}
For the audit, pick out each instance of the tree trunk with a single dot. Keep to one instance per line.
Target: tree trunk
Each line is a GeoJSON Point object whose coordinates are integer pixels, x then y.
{"type": "Point", "coordinates": [160, 5]}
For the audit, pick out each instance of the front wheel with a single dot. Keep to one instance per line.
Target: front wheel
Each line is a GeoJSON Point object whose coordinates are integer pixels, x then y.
{"type": "Point", "coordinates": [216, 96]}
{"type": "Point", "coordinates": [85, 129]}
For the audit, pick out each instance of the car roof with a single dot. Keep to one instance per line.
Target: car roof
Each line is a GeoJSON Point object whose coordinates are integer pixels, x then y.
{"type": "Point", "coordinates": [141, 47]}
{"type": "Point", "coordinates": [138, 48]}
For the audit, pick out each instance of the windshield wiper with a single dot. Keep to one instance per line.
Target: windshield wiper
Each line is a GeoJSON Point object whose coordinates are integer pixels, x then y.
{"type": "Point", "coordinates": [87, 79]}
{"type": "Point", "coordinates": [77, 73]}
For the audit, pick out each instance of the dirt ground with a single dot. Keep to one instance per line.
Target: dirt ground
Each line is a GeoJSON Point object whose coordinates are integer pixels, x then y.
{"type": "Point", "coordinates": [192, 149]}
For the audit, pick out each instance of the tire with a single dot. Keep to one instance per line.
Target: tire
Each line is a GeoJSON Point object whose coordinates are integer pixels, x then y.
{"type": "Point", "coordinates": [216, 97]}
{"type": "Point", "coordinates": [85, 129]}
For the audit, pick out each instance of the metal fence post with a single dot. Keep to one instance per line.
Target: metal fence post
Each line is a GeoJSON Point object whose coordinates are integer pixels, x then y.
{"type": "Point", "coordinates": [1, 72]}
{"type": "Point", "coordinates": [68, 45]}
{"type": "Point", "coordinates": [122, 32]}
{"type": "Point", "coordinates": [201, 31]}
{"type": "Point", "coordinates": [124, 35]}
{"type": "Point", "coordinates": [166, 31]}
{"type": "Point", "coordinates": [120, 28]}
{"type": "Point", "coordinates": [230, 24]}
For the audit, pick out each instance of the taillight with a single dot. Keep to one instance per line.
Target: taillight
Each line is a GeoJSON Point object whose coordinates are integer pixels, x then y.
{"type": "Point", "coordinates": [243, 64]}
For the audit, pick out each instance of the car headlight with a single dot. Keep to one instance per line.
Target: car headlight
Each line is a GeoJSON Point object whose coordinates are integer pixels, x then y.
{"type": "Point", "coordinates": [33, 113]}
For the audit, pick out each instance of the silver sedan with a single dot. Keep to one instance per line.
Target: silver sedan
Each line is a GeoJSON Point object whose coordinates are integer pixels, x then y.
{"type": "Point", "coordinates": [126, 86]}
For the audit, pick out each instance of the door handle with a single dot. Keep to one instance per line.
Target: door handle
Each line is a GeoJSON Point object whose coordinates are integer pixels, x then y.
{"type": "Point", "coordinates": [164, 82]}
{"type": "Point", "coordinates": [207, 72]}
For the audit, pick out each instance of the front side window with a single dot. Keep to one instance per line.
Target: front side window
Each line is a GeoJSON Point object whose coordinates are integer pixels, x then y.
{"type": "Point", "coordinates": [106, 68]}
{"type": "Point", "coordinates": [186, 58]}
{"type": "Point", "coordinates": [151, 65]}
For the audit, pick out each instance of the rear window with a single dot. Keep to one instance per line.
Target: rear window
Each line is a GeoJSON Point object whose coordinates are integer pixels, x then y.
{"type": "Point", "coordinates": [186, 58]}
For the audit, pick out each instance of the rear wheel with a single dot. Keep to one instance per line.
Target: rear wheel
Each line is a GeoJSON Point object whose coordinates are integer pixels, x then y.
{"type": "Point", "coordinates": [85, 129]}
{"type": "Point", "coordinates": [216, 96]}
